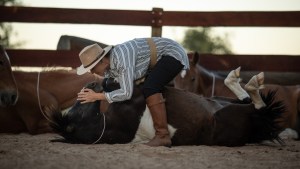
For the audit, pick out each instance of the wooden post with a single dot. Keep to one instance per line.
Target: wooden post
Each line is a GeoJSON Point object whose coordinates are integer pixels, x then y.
{"type": "Point", "coordinates": [157, 22]}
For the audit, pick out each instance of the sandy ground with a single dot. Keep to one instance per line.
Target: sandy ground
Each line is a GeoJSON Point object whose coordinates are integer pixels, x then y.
{"type": "Point", "coordinates": [25, 151]}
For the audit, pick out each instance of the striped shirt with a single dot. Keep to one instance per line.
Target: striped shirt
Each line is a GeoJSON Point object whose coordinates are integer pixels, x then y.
{"type": "Point", "coordinates": [130, 61]}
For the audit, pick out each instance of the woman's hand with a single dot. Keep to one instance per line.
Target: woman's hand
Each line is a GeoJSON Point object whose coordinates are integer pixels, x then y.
{"type": "Point", "coordinates": [87, 95]}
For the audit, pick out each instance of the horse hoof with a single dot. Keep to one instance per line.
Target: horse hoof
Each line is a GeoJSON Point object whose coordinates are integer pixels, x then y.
{"type": "Point", "coordinates": [255, 83]}
{"type": "Point", "coordinates": [237, 72]}
{"type": "Point", "coordinates": [260, 78]}
{"type": "Point", "coordinates": [233, 77]}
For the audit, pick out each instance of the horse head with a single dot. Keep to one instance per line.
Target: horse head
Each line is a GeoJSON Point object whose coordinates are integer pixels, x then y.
{"type": "Point", "coordinates": [8, 85]}
{"type": "Point", "coordinates": [83, 123]}
{"type": "Point", "coordinates": [197, 79]}
{"type": "Point", "coordinates": [188, 79]}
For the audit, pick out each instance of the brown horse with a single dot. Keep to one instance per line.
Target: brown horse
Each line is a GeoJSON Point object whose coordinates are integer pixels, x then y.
{"type": "Point", "coordinates": [193, 120]}
{"type": "Point", "coordinates": [8, 86]}
{"type": "Point", "coordinates": [203, 82]}
{"type": "Point", "coordinates": [56, 88]}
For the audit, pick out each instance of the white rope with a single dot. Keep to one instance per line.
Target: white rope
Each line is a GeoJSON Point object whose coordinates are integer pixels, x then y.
{"type": "Point", "coordinates": [16, 84]}
{"type": "Point", "coordinates": [39, 101]}
{"type": "Point", "coordinates": [213, 84]}
{"type": "Point", "coordinates": [104, 121]}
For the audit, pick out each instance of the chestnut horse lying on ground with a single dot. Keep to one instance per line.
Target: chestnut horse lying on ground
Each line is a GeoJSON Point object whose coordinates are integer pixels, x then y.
{"type": "Point", "coordinates": [192, 119]}
{"type": "Point", "coordinates": [56, 88]}
{"type": "Point", "coordinates": [19, 104]}
{"type": "Point", "coordinates": [201, 81]}
{"type": "Point", "coordinates": [8, 86]}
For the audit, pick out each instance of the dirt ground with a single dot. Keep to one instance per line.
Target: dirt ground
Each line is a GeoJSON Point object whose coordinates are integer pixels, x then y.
{"type": "Point", "coordinates": [25, 151]}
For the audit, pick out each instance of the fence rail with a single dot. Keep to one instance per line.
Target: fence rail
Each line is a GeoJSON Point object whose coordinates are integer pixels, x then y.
{"type": "Point", "coordinates": [156, 18]}
{"type": "Point", "coordinates": [67, 58]}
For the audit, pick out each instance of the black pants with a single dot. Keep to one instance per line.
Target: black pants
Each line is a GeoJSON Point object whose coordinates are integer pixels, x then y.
{"type": "Point", "coordinates": [160, 75]}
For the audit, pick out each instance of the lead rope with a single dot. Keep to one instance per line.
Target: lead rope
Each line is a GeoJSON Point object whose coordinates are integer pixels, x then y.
{"type": "Point", "coordinates": [39, 101]}
{"type": "Point", "coordinates": [213, 84]}
{"type": "Point", "coordinates": [17, 98]}
{"type": "Point", "coordinates": [104, 124]}
{"type": "Point", "coordinates": [104, 121]}
{"type": "Point", "coordinates": [97, 78]}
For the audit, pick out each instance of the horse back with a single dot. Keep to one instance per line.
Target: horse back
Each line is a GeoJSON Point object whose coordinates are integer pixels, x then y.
{"type": "Point", "coordinates": [232, 125]}
{"type": "Point", "coordinates": [192, 116]}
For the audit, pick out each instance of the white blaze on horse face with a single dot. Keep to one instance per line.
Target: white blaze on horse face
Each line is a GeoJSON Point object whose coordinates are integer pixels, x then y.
{"type": "Point", "coordinates": [146, 131]}
{"type": "Point", "coordinates": [182, 74]}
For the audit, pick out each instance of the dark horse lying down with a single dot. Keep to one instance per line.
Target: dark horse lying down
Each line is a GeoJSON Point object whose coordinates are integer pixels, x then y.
{"type": "Point", "coordinates": [193, 120]}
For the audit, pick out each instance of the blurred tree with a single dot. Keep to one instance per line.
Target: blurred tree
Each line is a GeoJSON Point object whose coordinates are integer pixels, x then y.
{"type": "Point", "coordinates": [202, 40]}
{"type": "Point", "coordinates": [6, 29]}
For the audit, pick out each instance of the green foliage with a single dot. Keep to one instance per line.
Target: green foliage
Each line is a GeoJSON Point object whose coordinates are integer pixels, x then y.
{"type": "Point", "coordinates": [10, 2]}
{"type": "Point", "coordinates": [6, 29]}
{"type": "Point", "coordinates": [202, 40]}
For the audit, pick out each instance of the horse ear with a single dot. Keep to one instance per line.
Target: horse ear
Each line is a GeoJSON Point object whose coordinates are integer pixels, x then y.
{"type": "Point", "coordinates": [195, 58]}
{"type": "Point", "coordinates": [109, 84]}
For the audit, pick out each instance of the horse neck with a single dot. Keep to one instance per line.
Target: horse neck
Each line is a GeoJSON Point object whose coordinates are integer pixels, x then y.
{"type": "Point", "coordinates": [63, 85]}
{"type": "Point", "coordinates": [137, 106]}
{"type": "Point", "coordinates": [67, 84]}
{"type": "Point", "coordinates": [208, 81]}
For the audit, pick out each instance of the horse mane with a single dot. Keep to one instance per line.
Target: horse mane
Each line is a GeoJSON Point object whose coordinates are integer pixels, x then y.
{"type": "Point", "coordinates": [62, 125]}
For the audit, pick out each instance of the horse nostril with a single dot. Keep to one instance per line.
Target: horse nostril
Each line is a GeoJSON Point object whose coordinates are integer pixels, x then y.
{"type": "Point", "coordinates": [13, 98]}
{"type": "Point", "coordinates": [2, 99]}
{"type": "Point", "coordinates": [8, 99]}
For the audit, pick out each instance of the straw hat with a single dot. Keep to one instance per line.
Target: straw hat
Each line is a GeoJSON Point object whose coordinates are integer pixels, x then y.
{"type": "Point", "coordinates": [90, 56]}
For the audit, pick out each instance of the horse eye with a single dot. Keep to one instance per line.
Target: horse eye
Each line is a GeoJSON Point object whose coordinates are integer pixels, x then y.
{"type": "Point", "coordinates": [193, 79]}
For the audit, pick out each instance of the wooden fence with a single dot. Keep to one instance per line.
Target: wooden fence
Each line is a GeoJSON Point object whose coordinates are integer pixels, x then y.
{"type": "Point", "coordinates": [156, 19]}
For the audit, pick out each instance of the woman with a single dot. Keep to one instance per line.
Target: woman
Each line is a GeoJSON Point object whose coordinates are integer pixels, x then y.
{"type": "Point", "coordinates": [157, 59]}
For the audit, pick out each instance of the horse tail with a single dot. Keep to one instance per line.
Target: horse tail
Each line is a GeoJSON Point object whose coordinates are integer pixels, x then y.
{"type": "Point", "coordinates": [266, 121]}
{"type": "Point", "coordinates": [241, 123]}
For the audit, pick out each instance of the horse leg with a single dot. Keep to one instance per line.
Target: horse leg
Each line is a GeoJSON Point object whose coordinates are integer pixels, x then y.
{"type": "Point", "coordinates": [10, 122]}
{"type": "Point", "coordinates": [232, 81]}
{"type": "Point", "coordinates": [253, 86]}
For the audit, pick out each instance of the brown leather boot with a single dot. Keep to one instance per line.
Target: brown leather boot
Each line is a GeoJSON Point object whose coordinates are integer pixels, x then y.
{"type": "Point", "coordinates": [156, 105]}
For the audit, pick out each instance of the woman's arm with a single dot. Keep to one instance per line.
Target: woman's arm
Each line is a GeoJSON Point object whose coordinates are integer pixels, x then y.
{"type": "Point", "coordinates": [88, 95]}
{"type": "Point", "coordinates": [125, 79]}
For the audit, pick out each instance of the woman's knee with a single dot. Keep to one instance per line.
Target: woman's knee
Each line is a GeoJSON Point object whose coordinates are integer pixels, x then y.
{"type": "Point", "coordinates": [148, 91]}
